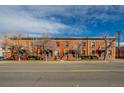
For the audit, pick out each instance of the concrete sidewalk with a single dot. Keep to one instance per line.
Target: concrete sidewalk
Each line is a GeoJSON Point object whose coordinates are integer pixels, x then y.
{"type": "Point", "coordinates": [118, 60]}
{"type": "Point", "coordinates": [54, 62]}
{"type": "Point", "coordinates": [63, 62]}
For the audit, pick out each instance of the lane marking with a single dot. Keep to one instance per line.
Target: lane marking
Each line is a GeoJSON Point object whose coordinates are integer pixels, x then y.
{"type": "Point", "coordinates": [4, 66]}
{"type": "Point", "coordinates": [83, 70]}
{"type": "Point", "coordinates": [96, 70]}
{"type": "Point", "coordinates": [88, 70]}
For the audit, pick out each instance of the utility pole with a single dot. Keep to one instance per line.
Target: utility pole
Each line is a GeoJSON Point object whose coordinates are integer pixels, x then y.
{"type": "Point", "coordinates": [118, 40]}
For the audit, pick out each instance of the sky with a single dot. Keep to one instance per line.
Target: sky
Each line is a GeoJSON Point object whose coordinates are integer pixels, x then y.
{"type": "Point", "coordinates": [62, 21]}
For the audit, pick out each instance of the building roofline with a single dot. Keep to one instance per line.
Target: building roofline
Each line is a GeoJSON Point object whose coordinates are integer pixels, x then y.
{"type": "Point", "coordinates": [65, 38]}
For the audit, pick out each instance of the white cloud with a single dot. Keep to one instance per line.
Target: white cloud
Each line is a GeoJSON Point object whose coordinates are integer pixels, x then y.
{"type": "Point", "coordinates": [16, 19]}
{"type": "Point", "coordinates": [29, 24]}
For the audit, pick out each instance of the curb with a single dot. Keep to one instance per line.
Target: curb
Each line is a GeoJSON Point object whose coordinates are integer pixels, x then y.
{"type": "Point", "coordinates": [55, 62]}
{"type": "Point", "coordinates": [62, 62]}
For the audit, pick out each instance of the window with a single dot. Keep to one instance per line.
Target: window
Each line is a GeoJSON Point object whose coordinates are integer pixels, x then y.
{"type": "Point", "coordinates": [109, 43]}
{"type": "Point", "coordinates": [58, 44]}
{"type": "Point", "coordinates": [92, 44]}
{"type": "Point", "coordinates": [109, 52]}
{"type": "Point", "coordinates": [66, 44]}
{"type": "Point", "coordinates": [56, 53]}
{"type": "Point", "coordinates": [83, 44]}
{"type": "Point", "coordinates": [93, 52]}
{"type": "Point", "coordinates": [65, 52]}
{"type": "Point", "coordinates": [51, 52]}
{"type": "Point", "coordinates": [83, 52]}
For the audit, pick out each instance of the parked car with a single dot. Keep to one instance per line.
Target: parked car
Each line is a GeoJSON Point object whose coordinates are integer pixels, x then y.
{"type": "Point", "coordinates": [2, 57]}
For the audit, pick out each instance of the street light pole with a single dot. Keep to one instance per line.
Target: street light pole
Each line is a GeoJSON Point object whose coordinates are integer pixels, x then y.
{"type": "Point", "coordinates": [119, 39]}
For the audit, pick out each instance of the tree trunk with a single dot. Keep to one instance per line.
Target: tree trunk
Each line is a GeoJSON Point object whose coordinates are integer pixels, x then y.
{"type": "Point", "coordinates": [105, 48]}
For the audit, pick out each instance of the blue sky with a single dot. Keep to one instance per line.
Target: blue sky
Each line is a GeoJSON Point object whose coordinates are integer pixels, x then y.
{"type": "Point", "coordinates": [63, 21]}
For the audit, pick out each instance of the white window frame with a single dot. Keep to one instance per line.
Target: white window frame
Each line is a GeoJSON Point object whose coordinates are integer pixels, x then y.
{"type": "Point", "coordinates": [109, 53]}
{"type": "Point", "coordinates": [83, 43]}
{"type": "Point", "coordinates": [93, 44]}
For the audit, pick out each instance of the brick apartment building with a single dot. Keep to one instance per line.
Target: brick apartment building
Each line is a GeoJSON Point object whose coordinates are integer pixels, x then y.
{"type": "Point", "coordinates": [85, 46]}
{"type": "Point", "coordinates": [121, 56]}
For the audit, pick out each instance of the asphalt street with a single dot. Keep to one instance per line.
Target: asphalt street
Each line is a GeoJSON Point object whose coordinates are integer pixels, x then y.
{"type": "Point", "coordinates": [62, 75]}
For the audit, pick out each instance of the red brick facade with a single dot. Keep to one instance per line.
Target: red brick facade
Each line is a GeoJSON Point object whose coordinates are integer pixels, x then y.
{"type": "Point", "coordinates": [86, 46]}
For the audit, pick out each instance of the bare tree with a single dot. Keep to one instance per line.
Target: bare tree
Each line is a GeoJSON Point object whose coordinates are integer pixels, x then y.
{"type": "Point", "coordinates": [15, 45]}
{"type": "Point", "coordinates": [106, 39]}
{"type": "Point", "coordinates": [13, 40]}
{"type": "Point", "coordinates": [41, 44]}
{"type": "Point", "coordinates": [5, 41]}
{"type": "Point", "coordinates": [105, 52]}
{"type": "Point", "coordinates": [76, 50]}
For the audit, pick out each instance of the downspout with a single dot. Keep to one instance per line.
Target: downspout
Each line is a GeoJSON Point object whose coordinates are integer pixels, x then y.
{"type": "Point", "coordinates": [87, 46]}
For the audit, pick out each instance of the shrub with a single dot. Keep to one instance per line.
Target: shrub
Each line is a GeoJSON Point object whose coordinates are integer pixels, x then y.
{"type": "Point", "coordinates": [93, 57]}
{"type": "Point", "coordinates": [89, 57]}
{"type": "Point", "coordinates": [84, 57]}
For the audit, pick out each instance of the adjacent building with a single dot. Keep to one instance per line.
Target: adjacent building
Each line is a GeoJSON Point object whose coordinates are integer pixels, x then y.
{"type": "Point", "coordinates": [120, 55]}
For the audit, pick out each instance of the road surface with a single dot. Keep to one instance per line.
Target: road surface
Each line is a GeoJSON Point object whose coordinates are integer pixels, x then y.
{"type": "Point", "coordinates": [62, 75]}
